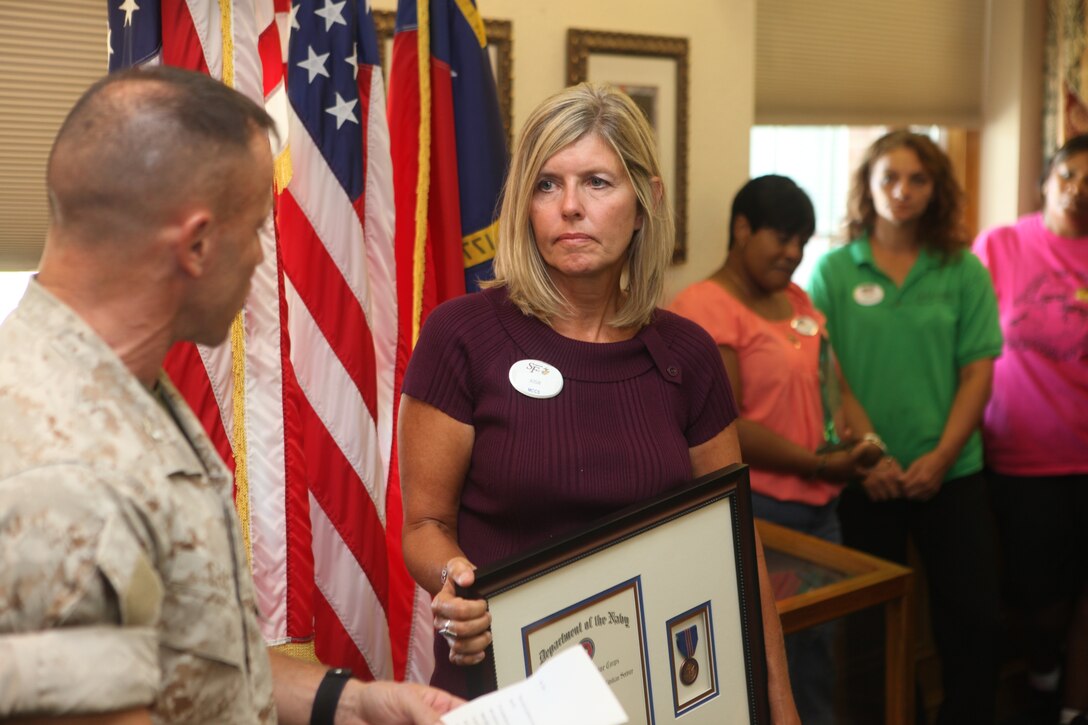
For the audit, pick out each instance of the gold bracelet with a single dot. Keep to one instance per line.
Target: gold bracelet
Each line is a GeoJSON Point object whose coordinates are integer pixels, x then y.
{"type": "Point", "coordinates": [875, 440]}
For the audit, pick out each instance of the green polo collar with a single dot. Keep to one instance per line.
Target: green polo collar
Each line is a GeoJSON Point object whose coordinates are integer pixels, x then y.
{"type": "Point", "coordinates": [862, 255]}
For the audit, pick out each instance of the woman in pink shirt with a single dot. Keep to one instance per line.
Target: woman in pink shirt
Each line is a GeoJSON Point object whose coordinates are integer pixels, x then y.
{"type": "Point", "coordinates": [1036, 428]}
{"type": "Point", "coordinates": [772, 340]}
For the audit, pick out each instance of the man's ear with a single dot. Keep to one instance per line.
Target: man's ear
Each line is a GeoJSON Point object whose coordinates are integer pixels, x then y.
{"type": "Point", "coordinates": [191, 241]}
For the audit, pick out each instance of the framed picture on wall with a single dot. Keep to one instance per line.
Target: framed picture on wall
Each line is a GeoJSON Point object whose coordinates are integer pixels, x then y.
{"type": "Point", "coordinates": [500, 43]}
{"type": "Point", "coordinates": [653, 70]}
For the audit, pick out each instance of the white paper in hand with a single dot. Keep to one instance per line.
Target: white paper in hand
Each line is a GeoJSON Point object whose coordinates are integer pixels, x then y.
{"type": "Point", "coordinates": [566, 690]}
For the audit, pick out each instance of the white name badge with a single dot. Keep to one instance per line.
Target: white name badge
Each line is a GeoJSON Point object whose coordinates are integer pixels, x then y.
{"type": "Point", "coordinates": [804, 325]}
{"type": "Point", "coordinates": [868, 294]}
{"type": "Point", "coordinates": [536, 379]}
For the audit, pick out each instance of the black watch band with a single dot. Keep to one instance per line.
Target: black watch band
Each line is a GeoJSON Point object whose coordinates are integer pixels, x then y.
{"type": "Point", "coordinates": [328, 695]}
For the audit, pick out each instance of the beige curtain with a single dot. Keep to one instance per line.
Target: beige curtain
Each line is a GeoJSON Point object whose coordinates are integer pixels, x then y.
{"type": "Point", "coordinates": [49, 53]}
{"type": "Point", "coordinates": [869, 62]}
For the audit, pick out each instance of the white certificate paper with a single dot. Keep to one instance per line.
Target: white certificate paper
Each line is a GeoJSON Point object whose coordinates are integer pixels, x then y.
{"type": "Point", "coordinates": [566, 689]}
{"type": "Point", "coordinates": [608, 625]}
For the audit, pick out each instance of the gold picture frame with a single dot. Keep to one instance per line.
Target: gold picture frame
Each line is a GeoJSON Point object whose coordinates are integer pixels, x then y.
{"type": "Point", "coordinates": [500, 45]}
{"type": "Point", "coordinates": [654, 70]}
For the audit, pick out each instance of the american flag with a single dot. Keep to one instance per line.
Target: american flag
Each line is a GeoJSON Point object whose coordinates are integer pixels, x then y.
{"type": "Point", "coordinates": [337, 222]}
{"type": "Point", "coordinates": [302, 402]}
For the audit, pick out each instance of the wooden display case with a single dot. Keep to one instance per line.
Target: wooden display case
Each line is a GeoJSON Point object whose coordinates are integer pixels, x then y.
{"type": "Point", "coordinates": [816, 581]}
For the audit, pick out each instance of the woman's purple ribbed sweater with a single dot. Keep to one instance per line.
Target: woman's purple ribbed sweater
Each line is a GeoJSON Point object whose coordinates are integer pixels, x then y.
{"type": "Point", "coordinates": [618, 433]}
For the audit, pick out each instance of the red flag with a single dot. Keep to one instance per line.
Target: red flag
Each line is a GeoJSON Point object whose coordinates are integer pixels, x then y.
{"type": "Point", "coordinates": [449, 157]}
{"type": "Point", "coordinates": [449, 152]}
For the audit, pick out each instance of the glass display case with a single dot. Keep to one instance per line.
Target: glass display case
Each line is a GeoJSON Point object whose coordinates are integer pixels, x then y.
{"type": "Point", "coordinates": [816, 581]}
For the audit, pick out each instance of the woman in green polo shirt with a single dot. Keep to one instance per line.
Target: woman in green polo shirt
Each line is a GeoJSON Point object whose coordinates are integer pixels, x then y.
{"type": "Point", "coordinates": [913, 318]}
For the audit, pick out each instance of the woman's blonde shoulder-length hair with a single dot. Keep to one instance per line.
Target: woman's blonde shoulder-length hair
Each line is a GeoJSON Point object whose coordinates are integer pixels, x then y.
{"type": "Point", "coordinates": [555, 124]}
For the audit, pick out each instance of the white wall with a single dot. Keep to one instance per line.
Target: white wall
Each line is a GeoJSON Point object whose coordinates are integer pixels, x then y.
{"type": "Point", "coordinates": [1011, 134]}
{"type": "Point", "coordinates": [721, 98]}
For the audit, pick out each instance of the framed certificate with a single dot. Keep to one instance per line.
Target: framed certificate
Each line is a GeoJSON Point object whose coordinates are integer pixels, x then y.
{"type": "Point", "coordinates": [663, 596]}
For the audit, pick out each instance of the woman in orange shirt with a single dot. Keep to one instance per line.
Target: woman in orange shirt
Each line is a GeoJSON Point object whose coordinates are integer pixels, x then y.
{"type": "Point", "coordinates": [772, 341]}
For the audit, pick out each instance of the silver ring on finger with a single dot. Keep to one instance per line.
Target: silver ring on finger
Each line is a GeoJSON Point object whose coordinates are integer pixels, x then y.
{"type": "Point", "coordinates": [447, 632]}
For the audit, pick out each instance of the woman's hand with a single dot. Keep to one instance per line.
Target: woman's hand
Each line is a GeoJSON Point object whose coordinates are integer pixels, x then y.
{"type": "Point", "coordinates": [850, 464]}
{"type": "Point", "coordinates": [868, 452]}
{"type": "Point", "coordinates": [881, 482]}
{"type": "Point", "coordinates": [434, 452]}
{"type": "Point", "coordinates": [923, 478]}
{"type": "Point", "coordinates": [465, 623]}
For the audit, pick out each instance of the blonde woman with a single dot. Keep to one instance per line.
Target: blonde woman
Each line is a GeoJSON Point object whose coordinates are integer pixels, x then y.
{"type": "Point", "coordinates": [492, 465]}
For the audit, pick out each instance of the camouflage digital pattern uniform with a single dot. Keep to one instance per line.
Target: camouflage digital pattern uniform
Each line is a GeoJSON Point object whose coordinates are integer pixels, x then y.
{"type": "Point", "coordinates": [123, 580]}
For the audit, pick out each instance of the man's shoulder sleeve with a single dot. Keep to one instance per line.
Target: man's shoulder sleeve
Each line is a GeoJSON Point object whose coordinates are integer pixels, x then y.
{"type": "Point", "coordinates": [80, 596]}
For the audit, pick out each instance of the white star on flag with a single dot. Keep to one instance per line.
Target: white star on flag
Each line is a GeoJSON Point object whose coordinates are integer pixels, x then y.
{"type": "Point", "coordinates": [129, 7]}
{"type": "Point", "coordinates": [333, 13]}
{"type": "Point", "coordinates": [343, 111]}
{"type": "Point", "coordinates": [315, 64]}
{"type": "Point", "coordinates": [353, 60]}
{"type": "Point", "coordinates": [293, 17]}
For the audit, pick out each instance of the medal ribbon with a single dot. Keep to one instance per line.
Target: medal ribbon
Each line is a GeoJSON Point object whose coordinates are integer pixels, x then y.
{"type": "Point", "coordinates": [687, 640]}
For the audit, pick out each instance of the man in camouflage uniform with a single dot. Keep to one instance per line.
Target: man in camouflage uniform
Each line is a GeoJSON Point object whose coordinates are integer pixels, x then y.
{"type": "Point", "coordinates": [124, 591]}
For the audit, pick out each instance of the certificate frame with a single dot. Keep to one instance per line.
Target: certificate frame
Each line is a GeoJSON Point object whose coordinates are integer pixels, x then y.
{"type": "Point", "coordinates": [624, 587]}
{"type": "Point", "coordinates": [654, 70]}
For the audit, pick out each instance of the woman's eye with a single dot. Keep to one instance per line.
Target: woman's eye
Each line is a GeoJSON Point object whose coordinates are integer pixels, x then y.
{"type": "Point", "coordinates": [545, 185]}
{"type": "Point", "coordinates": [597, 182]}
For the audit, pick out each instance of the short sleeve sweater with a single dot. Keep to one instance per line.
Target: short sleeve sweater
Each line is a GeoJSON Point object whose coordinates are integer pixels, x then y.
{"type": "Point", "coordinates": [618, 432]}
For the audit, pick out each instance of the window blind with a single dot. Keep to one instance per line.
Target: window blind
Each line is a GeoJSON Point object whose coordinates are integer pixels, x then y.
{"type": "Point", "coordinates": [868, 62]}
{"type": "Point", "coordinates": [49, 53]}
